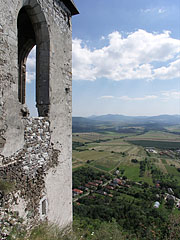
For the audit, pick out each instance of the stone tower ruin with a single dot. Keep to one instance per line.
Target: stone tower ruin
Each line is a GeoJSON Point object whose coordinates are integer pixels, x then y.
{"type": "Point", "coordinates": [35, 153]}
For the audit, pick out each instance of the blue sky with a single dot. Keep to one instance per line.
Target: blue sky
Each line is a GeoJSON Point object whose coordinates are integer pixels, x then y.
{"type": "Point", "coordinates": [126, 57]}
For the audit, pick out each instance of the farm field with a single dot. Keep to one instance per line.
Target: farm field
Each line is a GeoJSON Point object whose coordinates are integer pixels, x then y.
{"type": "Point", "coordinates": [158, 139]}
{"type": "Point", "coordinates": [157, 144]}
{"type": "Point", "coordinates": [175, 128]}
{"type": "Point", "coordinates": [157, 136]}
{"type": "Point", "coordinates": [112, 151]}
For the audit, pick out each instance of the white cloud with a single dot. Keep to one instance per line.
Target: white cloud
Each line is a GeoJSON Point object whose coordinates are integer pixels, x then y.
{"type": "Point", "coordinates": [161, 10]}
{"type": "Point", "coordinates": [171, 94]}
{"type": "Point", "coordinates": [106, 97]}
{"type": "Point", "coordinates": [103, 38]}
{"type": "Point", "coordinates": [169, 72]}
{"type": "Point", "coordinates": [82, 61]}
{"type": "Point", "coordinates": [30, 76]}
{"type": "Point", "coordinates": [132, 57]}
{"type": "Point", "coordinates": [126, 98]}
{"type": "Point", "coordinates": [149, 97]}
{"type": "Point", "coordinates": [153, 10]}
{"type": "Point", "coordinates": [31, 66]}
{"type": "Point", "coordinates": [164, 95]}
{"type": "Point", "coordinates": [147, 10]}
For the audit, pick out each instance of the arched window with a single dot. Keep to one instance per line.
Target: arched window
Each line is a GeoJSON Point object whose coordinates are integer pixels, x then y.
{"type": "Point", "coordinates": [32, 30]}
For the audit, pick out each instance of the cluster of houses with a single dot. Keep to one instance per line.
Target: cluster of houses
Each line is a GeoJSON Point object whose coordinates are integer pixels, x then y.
{"type": "Point", "coordinates": [167, 152]}
{"type": "Point", "coordinates": [178, 151]}
{"type": "Point", "coordinates": [93, 185]}
{"type": "Point", "coordinates": [99, 186]}
{"type": "Point", "coordinates": [104, 186]}
{"type": "Point", "coordinates": [151, 150]}
{"type": "Point", "coordinates": [76, 192]}
{"type": "Point", "coordinates": [169, 197]}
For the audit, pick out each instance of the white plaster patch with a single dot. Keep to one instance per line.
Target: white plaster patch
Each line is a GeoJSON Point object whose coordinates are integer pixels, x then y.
{"type": "Point", "coordinates": [20, 207]}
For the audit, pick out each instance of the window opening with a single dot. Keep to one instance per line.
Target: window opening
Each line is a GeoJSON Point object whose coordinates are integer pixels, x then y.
{"type": "Point", "coordinates": [33, 31]}
{"type": "Point", "coordinates": [44, 207]}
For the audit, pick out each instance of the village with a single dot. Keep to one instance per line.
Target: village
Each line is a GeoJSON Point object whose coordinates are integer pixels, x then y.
{"type": "Point", "coordinates": [109, 188]}
{"type": "Point", "coordinates": [166, 152]}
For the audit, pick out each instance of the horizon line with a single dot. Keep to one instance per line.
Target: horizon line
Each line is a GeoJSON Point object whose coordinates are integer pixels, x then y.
{"type": "Point", "coordinates": [93, 115]}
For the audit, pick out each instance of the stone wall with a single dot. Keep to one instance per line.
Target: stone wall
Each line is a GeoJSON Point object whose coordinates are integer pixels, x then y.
{"type": "Point", "coordinates": [36, 153]}
{"type": "Point", "coordinates": [26, 170]}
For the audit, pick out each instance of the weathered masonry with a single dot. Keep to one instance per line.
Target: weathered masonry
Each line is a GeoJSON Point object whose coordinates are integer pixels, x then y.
{"type": "Point", "coordinates": [35, 153]}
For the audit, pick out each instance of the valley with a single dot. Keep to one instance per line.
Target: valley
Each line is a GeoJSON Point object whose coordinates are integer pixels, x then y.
{"type": "Point", "coordinates": [109, 150]}
{"type": "Point", "coordinates": [128, 175]}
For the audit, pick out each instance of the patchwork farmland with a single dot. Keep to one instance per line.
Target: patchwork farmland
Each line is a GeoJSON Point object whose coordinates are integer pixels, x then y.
{"type": "Point", "coordinates": [110, 151]}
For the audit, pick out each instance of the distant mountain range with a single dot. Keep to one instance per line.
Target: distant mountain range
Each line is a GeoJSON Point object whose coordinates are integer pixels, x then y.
{"type": "Point", "coordinates": [112, 121]}
{"type": "Point", "coordinates": [169, 119]}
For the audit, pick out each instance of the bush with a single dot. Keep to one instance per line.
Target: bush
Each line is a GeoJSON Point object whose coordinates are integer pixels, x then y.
{"type": "Point", "coordinates": [50, 232]}
{"type": "Point", "coordinates": [134, 160]}
{"type": "Point", "coordinates": [105, 231]}
{"type": "Point", "coordinates": [6, 186]}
